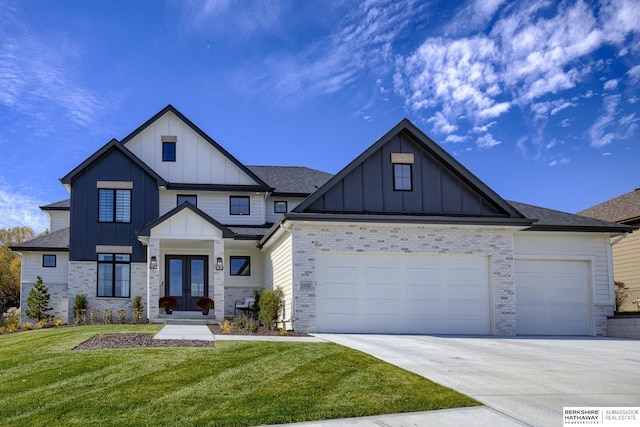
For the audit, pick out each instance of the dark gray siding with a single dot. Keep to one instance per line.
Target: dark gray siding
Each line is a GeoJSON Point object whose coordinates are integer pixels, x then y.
{"type": "Point", "coordinates": [437, 188]}
{"type": "Point", "coordinates": [86, 231]}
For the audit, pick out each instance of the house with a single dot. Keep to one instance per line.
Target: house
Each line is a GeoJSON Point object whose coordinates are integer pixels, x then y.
{"type": "Point", "coordinates": [625, 210]}
{"type": "Point", "coordinates": [404, 239]}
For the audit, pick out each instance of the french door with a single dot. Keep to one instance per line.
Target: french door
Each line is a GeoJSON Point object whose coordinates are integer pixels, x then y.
{"type": "Point", "coordinates": [186, 279]}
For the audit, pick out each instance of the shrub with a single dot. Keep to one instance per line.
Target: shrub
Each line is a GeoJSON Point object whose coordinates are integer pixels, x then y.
{"type": "Point", "coordinates": [11, 317]}
{"type": "Point", "coordinates": [58, 322]}
{"type": "Point", "coordinates": [3, 329]}
{"type": "Point", "coordinates": [107, 316]}
{"type": "Point", "coordinates": [204, 303]}
{"type": "Point", "coordinates": [81, 316]}
{"type": "Point", "coordinates": [246, 323]}
{"type": "Point", "coordinates": [137, 309]}
{"type": "Point", "coordinates": [121, 315]}
{"type": "Point", "coordinates": [80, 306]}
{"type": "Point", "coordinates": [94, 316]}
{"type": "Point", "coordinates": [12, 328]}
{"type": "Point", "coordinates": [27, 326]}
{"type": "Point", "coordinates": [621, 292]}
{"type": "Point", "coordinates": [38, 302]}
{"type": "Point", "coordinates": [41, 324]}
{"type": "Point", "coordinates": [168, 302]}
{"type": "Point", "coordinates": [227, 327]}
{"type": "Point", "coordinates": [270, 305]}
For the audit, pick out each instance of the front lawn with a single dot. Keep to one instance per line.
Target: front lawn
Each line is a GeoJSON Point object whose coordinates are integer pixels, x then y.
{"type": "Point", "coordinates": [45, 383]}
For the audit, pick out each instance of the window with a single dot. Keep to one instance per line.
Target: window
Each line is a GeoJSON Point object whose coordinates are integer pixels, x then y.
{"type": "Point", "coordinates": [402, 177]}
{"type": "Point", "coordinates": [114, 205]}
{"type": "Point", "coordinates": [168, 151]}
{"type": "Point", "coordinates": [191, 198]}
{"type": "Point", "coordinates": [280, 207]}
{"type": "Point", "coordinates": [240, 265]}
{"type": "Point", "coordinates": [49, 261]}
{"type": "Point", "coordinates": [239, 205]}
{"type": "Point", "coordinates": [114, 275]}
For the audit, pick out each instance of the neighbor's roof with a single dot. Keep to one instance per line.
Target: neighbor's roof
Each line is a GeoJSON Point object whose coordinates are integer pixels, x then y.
{"type": "Point", "coordinates": [62, 205]}
{"type": "Point", "coordinates": [622, 209]}
{"type": "Point", "coordinates": [297, 180]}
{"type": "Point", "coordinates": [58, 241]}
{"type": "Point", "coordinates": [552, 220]}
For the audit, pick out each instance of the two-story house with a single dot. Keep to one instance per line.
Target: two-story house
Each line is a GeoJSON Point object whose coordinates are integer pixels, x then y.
{"type": "Point", "coordinates": [404, 239]}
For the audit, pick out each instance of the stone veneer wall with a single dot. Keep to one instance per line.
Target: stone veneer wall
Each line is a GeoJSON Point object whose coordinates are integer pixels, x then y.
{"type": "Point", "coordinates": [602, 312]}
{"type": "Point", "coordinates": [83, 278]}
{"type": "Point", "coordinates": [58, 300]}
{"type": "Point", "coordinates": [497, 242]}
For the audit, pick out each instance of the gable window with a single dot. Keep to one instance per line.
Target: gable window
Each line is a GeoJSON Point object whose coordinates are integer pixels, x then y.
{"type": "Point", "coordinates": [49, 261]}
{"type": "Point", "coordinates": [114, 205]}
{"type": "Point", "coordinates": [240, 265]}
{"type": "Point", "coordinates": [280, 207]}
{"type": "Point", "coordinates": [239, 205]}
{"type": "Point", "coordinates": [402, 177]}
{"type": "Point", "coordinates": [168, 151]}
{"type": "Point", "coordinates": [191, 198]}
{"type": "Point", "coordinates": [114, 275]}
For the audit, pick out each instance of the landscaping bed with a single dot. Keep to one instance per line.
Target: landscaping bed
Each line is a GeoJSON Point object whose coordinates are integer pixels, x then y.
{"type": "Point", "coordinates": [108, 341]}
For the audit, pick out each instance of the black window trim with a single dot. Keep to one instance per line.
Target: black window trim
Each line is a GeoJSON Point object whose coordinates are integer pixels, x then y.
{"type": "Point", "coordinates": [55, 261]}
{"type": "Point", "coordinates": [115, 205]}
{"type": "Point", "coordinates": [175, 154]}
{"type": "Point", "coordinates": [395, 186]}
{"type": "Point", "coordinates": [243, 257]}
{"type": "Point", "coordinates": [113, 264]}
{"type": "Point", "coordinates": [248, 205]}
{"type": "Point", "coordinates": [286, 206]}
{"type": "Point", "coordinates": [186, 195]}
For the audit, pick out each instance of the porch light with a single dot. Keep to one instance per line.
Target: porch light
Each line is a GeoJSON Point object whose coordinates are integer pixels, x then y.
{"type": "Point", "coordinates": [219, 265]}
{"type": "Point", "coordinates": [154, 263]}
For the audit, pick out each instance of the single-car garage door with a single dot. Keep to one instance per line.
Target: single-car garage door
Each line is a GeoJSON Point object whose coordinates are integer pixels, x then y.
{"type": "Point", "coordinates": [552, 297]}
{"type": "Point", "coordinates": [402, 293]}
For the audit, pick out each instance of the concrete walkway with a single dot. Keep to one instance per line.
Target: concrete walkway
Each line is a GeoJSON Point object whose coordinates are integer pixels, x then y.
{"type": "Point", "coordinates": [202, 332]}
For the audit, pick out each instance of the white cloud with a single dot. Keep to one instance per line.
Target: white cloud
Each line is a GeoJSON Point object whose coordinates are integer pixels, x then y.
{"type": "Point", "coordinates": [440, 124]}
{"type": "Point", "coordinates": [455, 138]}
{"type": "Point", "coordinates": [600, 132]}
{"type": "Point", "coordinates": [565, 123]}
{"type": "Point", "coordinates": [18, 209]}
{"type": "Point", "coordinates": [487, 141]}
{"type": "Point", "coordinates": [610, 84]}
{"type": "Point", "coordinates": [561, 161]}
{"type": "Point", "coordinates": [634, 73]}
{"type": "Point", "coordinates": [606, 154]}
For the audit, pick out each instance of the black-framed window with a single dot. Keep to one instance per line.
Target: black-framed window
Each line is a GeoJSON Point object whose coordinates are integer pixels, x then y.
{"type": "Point", "coordinates": [191, 198]}
{"type": "Point", "coordinates": [114, 275]}
{"type": "Point", "coordinates": [240, 265]}
{"type": "Point", "coordinates": [168, 151]}
{"type": "Point", "coordinates": [402, 177]}
{"type": "Point", "coordinates": [114, 205]}
{"type": "Point", "coordinates": [49, 261]}
{"type": "Point", "coordinates": [239, 205]}
{"type": "Point", "coordinates": [280, 207]}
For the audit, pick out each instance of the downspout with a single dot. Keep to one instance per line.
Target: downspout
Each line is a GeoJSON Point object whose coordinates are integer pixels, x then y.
{"type": "Point", "coordinates": [619, 239]}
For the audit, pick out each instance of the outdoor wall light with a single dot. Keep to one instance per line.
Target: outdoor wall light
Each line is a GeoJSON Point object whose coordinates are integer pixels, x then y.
{"type": "Point", "coordinates": [219, 265]}
{"type": "Point", "coordinates": [154, 263]}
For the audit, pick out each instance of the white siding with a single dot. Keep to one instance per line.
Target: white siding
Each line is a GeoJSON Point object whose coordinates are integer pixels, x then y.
{"type": "Point", "coordinates": [253, 281]}
{"type": "Point", "coordinates": [291, 203]}
{"type": "Point", "coordinates": [186, 224]}
{"type": "Point", "coordinates": [58, 220]}
{"type": "Point", "coordinates": [197, 161]}
{"type": "Point", "coordinates": [278, 272]}
{"type": "Point", "coordinates": [216, 205]}
{"type": "Point", "coordinates": [32, 268]}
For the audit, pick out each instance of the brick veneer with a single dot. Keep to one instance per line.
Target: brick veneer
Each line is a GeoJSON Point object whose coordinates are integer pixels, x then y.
{"type": "Point", "coordinates": [58, 300]}
{"type": "Point", "coordinates": [496, 242]}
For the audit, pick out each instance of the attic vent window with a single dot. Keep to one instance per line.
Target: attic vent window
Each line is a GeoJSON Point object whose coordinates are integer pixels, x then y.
{"type": "Point", "coordinates": [169, 148]}
{"type": "Point", "coordinates": [402, 177]}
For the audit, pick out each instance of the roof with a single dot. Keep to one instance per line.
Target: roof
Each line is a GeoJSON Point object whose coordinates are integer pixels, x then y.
{"type": "Point", "coordinates": [298, 180]}
{"type": "Point", "coordinates": [196, 129]}
{"type": "Point", "coordinates": [108, 147]}
{"type": "Point", "coordinates": [58, 241]}
{"type": "Point", "coordinates": [62, 205]}
{"type": "Point", "coordinates": [552, 220]}
{"type": "Point", "coordinates": [247, 232]}
{"type": "Point", "coordinates": [621, 209]}
{"type": "Point", "coordinates": [146, 230]}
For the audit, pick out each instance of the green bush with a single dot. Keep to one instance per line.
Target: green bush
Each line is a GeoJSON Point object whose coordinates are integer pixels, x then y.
{"type": "Point", "coordinates": [11, 317]}
{"type": "Point", "coordinates": [138, 309]}
{"type": "Point", "coordinates": [80, 309]}
{"type": "Point", "coordinates": [38, 302]}
{"type": "Point", "coordinates": [270, 306]}
{"type": "Point", "coordinates": [246, 323]}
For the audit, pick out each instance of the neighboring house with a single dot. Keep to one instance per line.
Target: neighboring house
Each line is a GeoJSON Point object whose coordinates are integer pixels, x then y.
{"type": "Point", "coordinates": [623, 210]}
{"type": "Point", "coordinates": [403, 240]}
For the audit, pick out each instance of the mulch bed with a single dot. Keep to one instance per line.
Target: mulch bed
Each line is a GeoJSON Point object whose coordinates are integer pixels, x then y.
{"type": "Point", "coordinates": [262, 331]}
{"type": "Point", "coordinates": [109, 341]}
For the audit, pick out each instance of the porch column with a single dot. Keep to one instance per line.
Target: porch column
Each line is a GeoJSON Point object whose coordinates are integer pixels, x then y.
{"type": "Point", "coordinates": [218, 280]}
{"type": "Point", "coordinates": [153, 280]}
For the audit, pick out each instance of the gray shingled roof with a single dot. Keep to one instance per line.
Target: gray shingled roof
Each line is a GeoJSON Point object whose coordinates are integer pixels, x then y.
{"type": "Point", "coordinates": [56, 241]}
{"type": "Point", "coordinates": [549, 219]}
{"type": "Point", "coordinates": [62, 205]}
{"type": "Point", "coordinates": [620, 209]}
{"type": "Point", "coordinates": [291, 179]}
{"type": "Point", "coordinates": [248, 231]}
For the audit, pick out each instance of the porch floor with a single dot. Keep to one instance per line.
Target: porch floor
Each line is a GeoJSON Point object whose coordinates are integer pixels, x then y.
{"type": "Point", "coordinates": [188, 318]}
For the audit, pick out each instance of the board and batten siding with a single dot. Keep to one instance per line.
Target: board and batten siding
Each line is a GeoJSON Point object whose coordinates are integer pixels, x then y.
{"type": "Point", "coordinates": [626, 268]}
{"type": "Point", "coordinates": [571, 246]}
{"type": "Point", "coordinates": [197, 161]}
{"type": "Point", "coordinates": [216, 205]}
{"type": "Point", "coordinates": [278, 272]}
{"type": "Point", "coordinates": [58, 220]}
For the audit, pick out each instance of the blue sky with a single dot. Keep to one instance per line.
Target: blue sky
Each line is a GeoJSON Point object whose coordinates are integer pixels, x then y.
{"type": "Point", "coordinates": [540, 100]}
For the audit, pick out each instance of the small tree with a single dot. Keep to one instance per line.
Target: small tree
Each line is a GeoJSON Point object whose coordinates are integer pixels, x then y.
{"type": "Point", "coordinates": [622, 293]}
{"type": "Point", "coordinates": [80, 306]}
{"type": "Point", "coordinates": [270, 305]}
{"type": "Point", "coordinates": [38, 302]}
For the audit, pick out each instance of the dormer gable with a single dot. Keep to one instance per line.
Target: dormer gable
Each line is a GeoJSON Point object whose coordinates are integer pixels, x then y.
{"type": "Point", "coordinates": [182, 153]}
{"type": "Point", "coordinates": [407, 173]}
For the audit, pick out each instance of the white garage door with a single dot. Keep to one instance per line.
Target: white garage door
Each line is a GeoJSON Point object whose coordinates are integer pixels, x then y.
{"type": "Point", "coordinates": [402, 294]}
{"type": "Point", "coordinates": [552, 297]}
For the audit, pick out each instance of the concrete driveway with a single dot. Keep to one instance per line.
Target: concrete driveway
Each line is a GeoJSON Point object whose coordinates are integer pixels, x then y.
{"type": "Point", "coordinates": [528, 378]}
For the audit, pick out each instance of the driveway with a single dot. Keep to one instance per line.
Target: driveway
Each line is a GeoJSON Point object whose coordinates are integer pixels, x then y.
{"type": "Point", "coordinates": [528, 378]}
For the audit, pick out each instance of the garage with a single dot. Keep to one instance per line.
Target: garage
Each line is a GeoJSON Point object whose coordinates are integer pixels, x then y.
{"type": "Point", "coordinates": [552, 297]}
{"type": "Point", "coordinates": [402, 293]}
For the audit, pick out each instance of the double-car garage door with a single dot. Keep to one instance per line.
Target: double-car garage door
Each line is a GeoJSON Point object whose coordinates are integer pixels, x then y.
{"type": "Point", "coordinates": [402, 293]}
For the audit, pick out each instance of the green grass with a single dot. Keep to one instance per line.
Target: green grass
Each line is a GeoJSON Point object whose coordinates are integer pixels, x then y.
{"type": "Point", "coordinates": [44, 383]}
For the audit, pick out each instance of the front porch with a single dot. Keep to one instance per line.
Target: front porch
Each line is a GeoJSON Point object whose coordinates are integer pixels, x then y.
{"type": "Point", "coordinates": [188, 318]}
